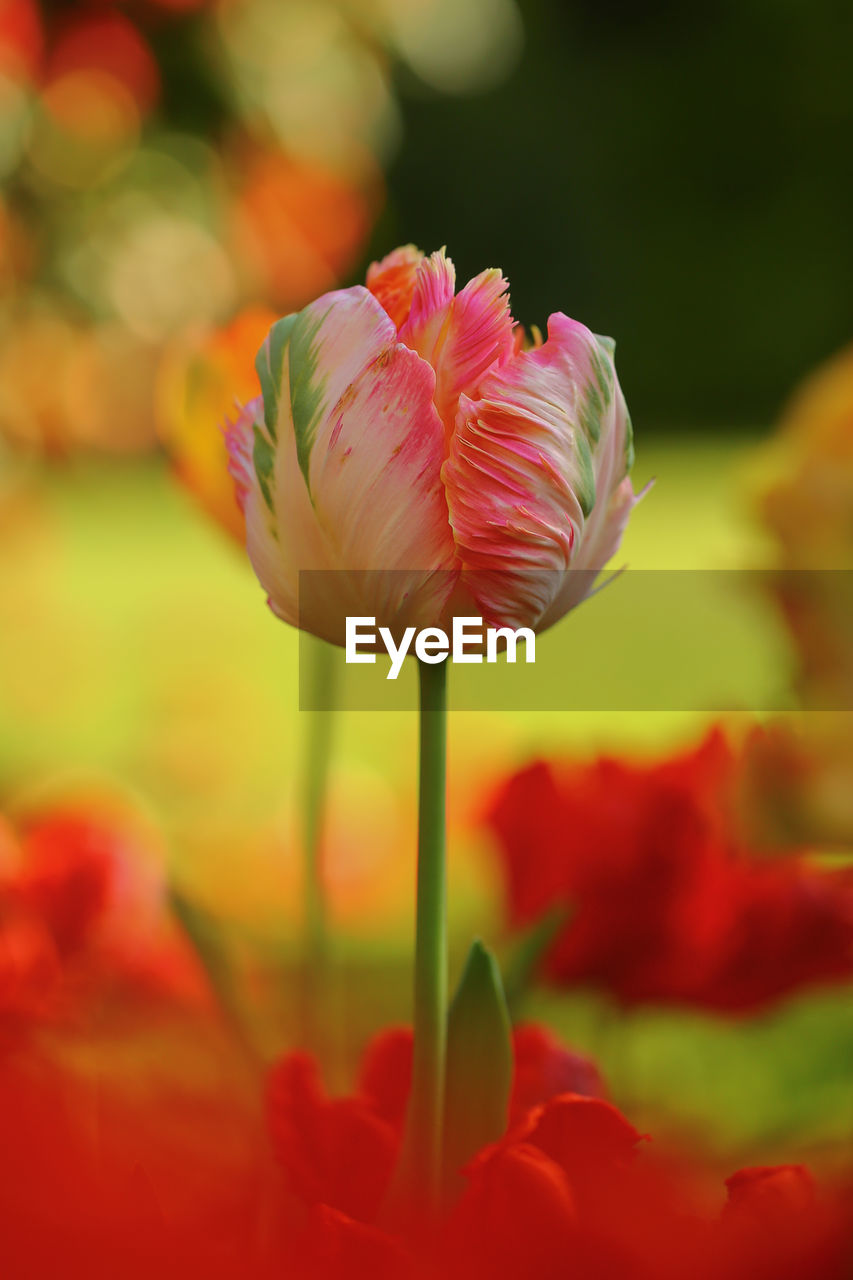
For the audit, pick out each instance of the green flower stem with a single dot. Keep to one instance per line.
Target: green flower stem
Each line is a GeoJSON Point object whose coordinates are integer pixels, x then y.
{"type": "Point", "coordinates": [315, 786]}
{"type": "Point", "coordinates": [426, 1113]}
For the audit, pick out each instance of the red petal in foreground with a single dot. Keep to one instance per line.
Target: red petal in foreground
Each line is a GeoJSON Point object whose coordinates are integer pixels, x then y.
{"type": "Point", "coordinates": [337, 1152]}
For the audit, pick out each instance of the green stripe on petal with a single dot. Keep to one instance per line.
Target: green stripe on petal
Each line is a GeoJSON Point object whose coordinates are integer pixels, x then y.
{"type": "Point", "coordinates": [629, 442]}
{"type": "Point", "coordinates": [311, 359]}
{"type": "Point", "coordinates": [269, 364]}
{"type": "Point", "coordinates": [584, 484]}
{"type": "Point", "coordinates": [589, 423]}
{"type": "Point", "coordinates": [307, 391]}
{"type": "Point", "coordinates": [591, 414]}
{"type": "Point", "coordinates": [602, 366]}
{"type": "Point", "coordinates": [263, 457]}
{"type": "Point", "coordinates": [598, 394]}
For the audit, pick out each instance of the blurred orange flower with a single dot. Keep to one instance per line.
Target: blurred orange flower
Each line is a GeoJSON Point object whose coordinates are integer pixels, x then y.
{"type": "Point", "coordinates": [298, 227]}
{"type": "Point", "coordinates": [807, 505]}
{"type": "Point", "coordinates": [97, 397]}
{"type": "Point", "coordinates": [807, 502]}
{"type": "Point", "coordinates": [804, 485]}
{"type": "Point", "coordinates": [160, 228]}
{"type": "Point", "coordinates": [202, 381]}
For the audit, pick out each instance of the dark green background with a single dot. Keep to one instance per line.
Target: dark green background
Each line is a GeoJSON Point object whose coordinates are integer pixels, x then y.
{"type": "Point", "coordinates": [677, 175]}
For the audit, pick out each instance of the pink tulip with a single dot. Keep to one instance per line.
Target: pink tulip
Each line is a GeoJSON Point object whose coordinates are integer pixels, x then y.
{"type": "Point", "coordinates": [411, 431]}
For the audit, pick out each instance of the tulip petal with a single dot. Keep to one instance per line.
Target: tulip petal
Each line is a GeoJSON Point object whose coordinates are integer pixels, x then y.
{"type": "Point", "coordinates": [545, 1068]}
{"type": "Point", "coordinates": [269, 481]}
{"type": "Point", "coordinates": [329, 344]}
{"type": "Point", "coordinates": [376, 484]}
{"type": "Point", "coordinates": [348, 462]}
{"type": "Point", "coordinates": [392, 281]}
{"type": "Point", "coordinates": [527, 462]}
{"type": "Point", "coordinates": [584, 1135]}
{"type": "Point", "coordinates": [435, 285]}
{"type": "Point", "coordinates": [315, 1138]}
{"type": "Point", "coordinates": [240, 442]}
{"type": "Point", "coordinates": [479, 336]}
{"type": "Point", "coordinates": [607, 424]}
{"type": "Point", "coordinates": [462, 337]}
{"type": "Point", "coordinates": [385, 1075]}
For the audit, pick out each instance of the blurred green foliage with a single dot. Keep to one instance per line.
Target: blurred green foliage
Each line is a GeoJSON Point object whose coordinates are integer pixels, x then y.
{"type": "Point", "coordinates": [675, 175]}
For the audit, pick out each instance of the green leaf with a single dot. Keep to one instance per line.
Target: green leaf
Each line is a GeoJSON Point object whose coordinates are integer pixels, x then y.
{"type": "Point", "coordinates": [205, 936]}
{"type": "Point", "coordinates": [524, 962]}
{"type": "Point", "coordinates": [479, 1064]}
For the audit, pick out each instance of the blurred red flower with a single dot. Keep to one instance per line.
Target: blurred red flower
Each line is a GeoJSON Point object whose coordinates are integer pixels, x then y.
{"type": "Point", "coordinates": [570, 1189]}
{"type": "Point", "coordinates": [106, 44]}
{"type": "Point", "coordinates": [82, 914]}
{"type": "Point", "coordinates": [21, 38]}
{"type": "Point", "coordinates": [112, 1165]}
{"type": "Point", "coordinates": [341, 1152]}
{"type": "Point", "coordinates": [664, 902]}
{"type": "Point", "coordinates": [103, 1178]}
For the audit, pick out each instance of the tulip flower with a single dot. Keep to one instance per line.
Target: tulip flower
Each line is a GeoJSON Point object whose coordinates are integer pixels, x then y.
{"type": "Point", "coordinates": [569, 1188]}
{"type": "Point", "coordinates": [411, 459]}
{"type": "Point", "coordinates": [665, 901]}
{"type": "Point", "coordinates": [102, 1178]}
{"type": "Point", "coordinates": [409, 431]}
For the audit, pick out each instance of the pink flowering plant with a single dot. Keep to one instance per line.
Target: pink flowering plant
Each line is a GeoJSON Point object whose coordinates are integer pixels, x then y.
{"type": "Point", "coordinates": [414, 456]}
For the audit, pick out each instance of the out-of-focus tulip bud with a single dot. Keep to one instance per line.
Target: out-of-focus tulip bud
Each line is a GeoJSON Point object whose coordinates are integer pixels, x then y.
{"type": "Point", "coordinates": [806, 476]}
{"type": "Point", "coordinates": [804, 498]}
{"type": "Point", "coordinates": [206, 377]}
{"type": "Point", "coordinates": [408, 430]}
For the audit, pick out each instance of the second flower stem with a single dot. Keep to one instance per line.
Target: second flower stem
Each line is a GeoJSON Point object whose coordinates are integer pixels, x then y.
{"type": "Point", "coordinates": [315, 789]}
{"type": "Point", "coordinates": [426, 1114]}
